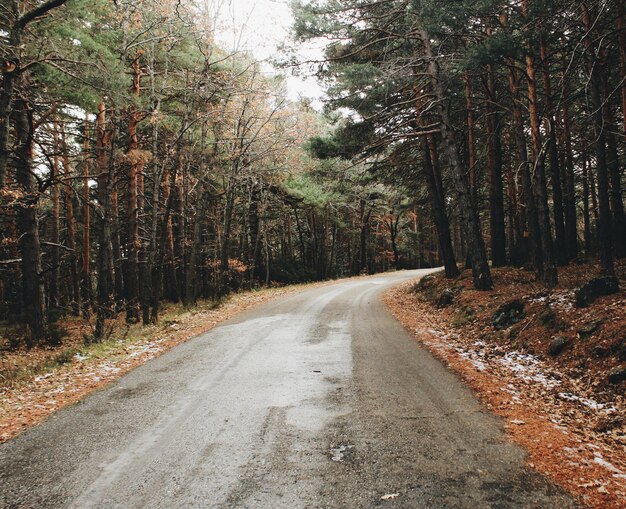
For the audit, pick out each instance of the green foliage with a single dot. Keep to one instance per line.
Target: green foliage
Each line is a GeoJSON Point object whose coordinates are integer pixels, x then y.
{"type": "Point", "coordinates": [306, 190]}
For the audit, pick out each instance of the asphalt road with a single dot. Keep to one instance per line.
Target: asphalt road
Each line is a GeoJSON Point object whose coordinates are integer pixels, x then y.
{"type": "Point", "coordinates": [316, 400]}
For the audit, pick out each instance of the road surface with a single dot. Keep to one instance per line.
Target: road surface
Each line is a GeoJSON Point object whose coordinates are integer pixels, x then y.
{"type": "Point", "coordinates": [316, 400]}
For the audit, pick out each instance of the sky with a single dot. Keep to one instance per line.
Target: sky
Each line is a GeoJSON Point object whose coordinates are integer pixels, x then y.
{"type": "Point", "coordinates": [259, 27]}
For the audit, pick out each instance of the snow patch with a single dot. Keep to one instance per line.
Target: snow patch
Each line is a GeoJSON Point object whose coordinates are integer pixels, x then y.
{"type": "Point", "coordinates": [150, 348]}
{"type": "Point", "coordinates": [528, 367]}
{"type": "Point", "coordinates": [590, 403]}
{"type": "Point", "coordinates": [597, 458]}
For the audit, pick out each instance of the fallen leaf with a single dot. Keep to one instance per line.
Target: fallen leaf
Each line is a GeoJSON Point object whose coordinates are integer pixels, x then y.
{"type": "Point", "coordinates": [391, 496]}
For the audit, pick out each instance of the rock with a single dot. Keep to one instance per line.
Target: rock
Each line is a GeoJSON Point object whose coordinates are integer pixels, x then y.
{"type": "Point", "coordinates": [426, 282]}
{"type": "Point", "coordinates": [620, 349]}
{"type": "Point", "coordinates": [595, 288]}
{"type": "Point", "coordinates": [589, 328]}
{"type": "Point", "coordinates": [446, 298]}
{"type": "Point", "coordinates": [617, 375]}
{"type": "Point", "coordinates": [507, 314]}
{"type": "Point", "coordinates": [557, 345]}
{"type": "Point", "coordinates": [599, 352]}
{"type": "Point", "coordinates": [547, 318]}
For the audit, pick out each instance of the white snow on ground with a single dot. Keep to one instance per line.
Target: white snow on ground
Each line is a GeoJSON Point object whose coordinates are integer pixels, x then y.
{"type": "Point", "coordinates": [594, 405]}
{"type": "Point", "coordinates": [528, 367]}
{"type": "Point", "coordinates": [597, 458]}
{"type": "Point", "coordinates": [103, 371]}
{"type": "Point", "coordinates": [523, 366]}
{"type": "Point", "coordinates": [476, 357]}
{"type": "Point", "coordinates": [563, 300]}
{"type": "Point", "coordinates": [150, 348]}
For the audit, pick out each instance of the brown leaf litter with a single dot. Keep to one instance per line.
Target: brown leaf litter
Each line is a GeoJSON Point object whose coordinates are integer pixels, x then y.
{"type": "Point", "coordinates": [560, 408]}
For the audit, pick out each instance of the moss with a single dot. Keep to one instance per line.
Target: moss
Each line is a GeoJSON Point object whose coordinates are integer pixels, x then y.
{"type": "Point", "coordinates": [547, 318]}
{"type": "Point", "coordinates": [463, 315]}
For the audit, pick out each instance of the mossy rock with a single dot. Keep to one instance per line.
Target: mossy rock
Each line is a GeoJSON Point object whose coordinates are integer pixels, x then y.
{"type": "Point", "coordinates": [547, 318]}
{"type": "Point", "coordinates": [508, 314]}
{"type": "Point", "coordinates": [463, 315]}
{"type": "Point", "coordinates": [590, 328]}
{"type": "Point", "coordinates": [445, 298]}
{"type": "Point", "coordinates": [617, 375]}
{"type": "Point", "coordinates": [595, 288]}
{"type": "Point", "coordinates": [557, 345]}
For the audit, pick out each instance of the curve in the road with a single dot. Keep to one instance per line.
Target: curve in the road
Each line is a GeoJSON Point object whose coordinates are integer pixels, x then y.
{"type": "Point", "coordinates": [316, 400]}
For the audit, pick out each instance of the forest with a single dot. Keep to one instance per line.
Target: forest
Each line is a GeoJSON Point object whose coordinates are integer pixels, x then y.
{"type": "Point", "coordinates": [140, 162]}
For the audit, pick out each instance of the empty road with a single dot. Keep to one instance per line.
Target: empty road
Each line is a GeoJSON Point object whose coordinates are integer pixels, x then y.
{"type": "Point", "coordinates": [316, 400]}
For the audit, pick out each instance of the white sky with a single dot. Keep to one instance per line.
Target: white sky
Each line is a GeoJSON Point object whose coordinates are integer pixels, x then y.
{"type": "Point", "coordinates": [259, 27]}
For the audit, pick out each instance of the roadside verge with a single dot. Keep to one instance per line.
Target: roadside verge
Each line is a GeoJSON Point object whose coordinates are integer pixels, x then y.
{"type": "Point", "coordinates": [571, 426]}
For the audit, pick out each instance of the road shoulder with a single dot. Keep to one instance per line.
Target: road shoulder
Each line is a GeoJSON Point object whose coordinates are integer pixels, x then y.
{"type": "Point", "coordinates": [528, 394]}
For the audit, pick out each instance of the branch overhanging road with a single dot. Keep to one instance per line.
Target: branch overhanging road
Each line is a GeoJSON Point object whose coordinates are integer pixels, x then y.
{"type": "Point", "coordinates": [316, 400]}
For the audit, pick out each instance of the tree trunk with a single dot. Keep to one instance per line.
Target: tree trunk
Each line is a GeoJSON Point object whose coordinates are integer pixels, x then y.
{"type": "Point", "coordinates": [86, 281]}
{"type": "Point", "coordinates": [621, 31]}
{"type": "Point", "coordinates": [33, 300]}
{"type": "Point", "coordinates": [10, 72]}
{"type": "Point", "coordinates": [180, 227]}
{"type": "Point", "coordinates": [71, 224]}
{"type": "Point", "coordinates": [255, 260]}
{"type": "Point", "coordinates": [494, 170]}
{"type": "Point", "coordinates": [616, 201]}
{"type": "Point", "coordinates": [364, 214]}
{"type": "Point", "coordinates": [467, 211]}
{"type": "Point", "coordinates": [170, 283]}
{"type": "Point", "coordinates": [569, 198]}
{"type": "Point", "coordinates": [471, 141]}
{"type": "Point", "coordinates": [105, 277]}
{"type": "Point", "coordinates": [228, 218]}
{"type": "Point", "coordinates": [555, 165]}
{"type": "Point", "coordinates": [440, 216]}
{"type": "Point", "coordinates": [547, 269]}
{"type": "Point", "coordinates": [605, 233]}
{"type": "Point", "coordinates": [55, 255]}
{"type": "Point", "coordinates": [586, 216]}
{"type": "Point", "coordinates": [190, 294]}
{"type": "Point", "coordinates": [530, 247]}
{"type": "Point", "coordinates": [131, 276]}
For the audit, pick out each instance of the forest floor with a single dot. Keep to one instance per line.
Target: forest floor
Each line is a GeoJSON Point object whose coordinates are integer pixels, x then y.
{"type": "Point", "coordinates": [547, 375]}
{"type": "Point", "coordinates": [36, 382]}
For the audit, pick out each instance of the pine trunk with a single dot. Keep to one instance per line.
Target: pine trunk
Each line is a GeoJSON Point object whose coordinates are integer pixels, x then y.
{"type": "Point", "coordinates": [547, 268]}
{"type": "Point", "coordinates": [71, 225]}
{"type": "Point", "coordinates": [569, 198]}
{"type": "Point", "coordinates": [494, 171]}
{"type": "Point", "coordinates": [621, 31]}
{"type": "Point", "coordinates": [555, 165]}
{"type": "Point", "coordinates": [33, 300]}
{"type": "Point", "coordinates": [105, 268]}
{"type": "Point", "coordinates": [131, 276]}
{"type": "Point", "coordinates": [86, 283]}
{"type": "Point", "coordinates": [605, 229]}
{"type": "Point", "coordinates": [467, 211]}
{"type": "Point", "coordinates": [55, 255]}
{"type": "Point", "coordinates": [529, 248]}
{"type": "Point", "coordinates": [440, 216]}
